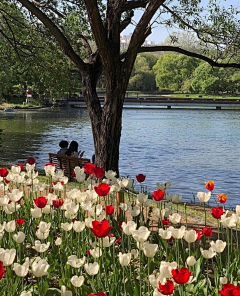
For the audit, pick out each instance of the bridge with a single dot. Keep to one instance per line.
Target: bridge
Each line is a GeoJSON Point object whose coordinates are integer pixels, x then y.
{"type": "Point", "coordinates": [168, 102]}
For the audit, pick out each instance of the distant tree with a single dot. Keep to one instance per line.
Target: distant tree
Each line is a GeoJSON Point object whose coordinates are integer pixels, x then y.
{"type": "Point", "coordinates": [207, 79]}
{"type": "Point", "coordinates": [172, 70]}
{"type": "Point", "coordinates": [142, 77]}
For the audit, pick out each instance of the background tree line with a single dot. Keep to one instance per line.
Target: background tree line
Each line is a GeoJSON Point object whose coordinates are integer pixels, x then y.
{"type": "Point", "coordinates": [51, 75]}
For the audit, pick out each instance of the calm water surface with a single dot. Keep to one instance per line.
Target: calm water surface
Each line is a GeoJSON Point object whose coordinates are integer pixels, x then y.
{"type": "Point", "coordinates": [187, 147]}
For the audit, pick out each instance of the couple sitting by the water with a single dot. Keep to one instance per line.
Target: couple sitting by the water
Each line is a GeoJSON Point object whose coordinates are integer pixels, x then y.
{"type": "Point", "coordinates": [72, 150]}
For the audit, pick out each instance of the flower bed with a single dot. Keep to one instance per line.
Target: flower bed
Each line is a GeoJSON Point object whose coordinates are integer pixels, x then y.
{"type": "Point", "coordinates": [56, 240]}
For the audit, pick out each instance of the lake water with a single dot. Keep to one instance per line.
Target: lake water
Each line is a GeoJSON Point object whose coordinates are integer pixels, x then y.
{"type": "Point", "coordinates": [187, 147]}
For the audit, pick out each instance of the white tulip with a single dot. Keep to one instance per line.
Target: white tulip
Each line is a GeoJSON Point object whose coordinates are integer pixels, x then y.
{"type": "Point", "coordinates": [190, 236]}
{"type": "Point", "coordinates": [65, 292]}
{"type": "Point", "coordinates": [229, 222]}
{"type": "Point", "coordinates": [10, 226]}
{"type": "Point", "coordinates": [19, 237]}
{"type": "Point", "coordinates": [165, 233]}
{"type": "Point", "coordinates": [141, 235]}
{"type": "Point", "coordinates": [203, 196]}
{"type": "Point", "coordinates": [21, 270]}
{"type": "Point", "coordinates": [124, 259]}
{"type": "Point", "coordinates": [15, 195]}
{"type": "Point", "coordinates": [42, 235]}
{"type": "Point", "coordinates": [163, 186]}
{"type": "Point", "coordinates": [7, 256]}
{"type": "Point", "coordinates": [40, 267]}
{"type": "Point", "coordinates": [142, 198]}
{"type": "Point", "coordinates": [75, 262]}
{"type": "Point", "coordinates": [25, 293]}
{"type": "Point", "coordinates": [36, 213]}
{"type": "Point", "coordinates": [218, 246]}
{"type": "Point", "coordinates": [135, 211]}
{"type": "Point", "coordinates": [177, 233]}
{"type": "Point", "coordinates": [88, 222]}
{"type": "Point", "coordinates": [175, 218]}
{"type": "Point", "coordinates": [107, 241]}
{"type": "Point", "coordinates": [43, 226]}
{"type": "Point", "coordinates": [191, 261]}
{"type": "Point", "coordinates": [77, 281]}
{"type": "Point", "coordinates": [166, 268]}
{"type": "Point", "coordinates": [67, 226]}
{"type": "Point", "coordinates": [129, 227]}
{"type": "Point", "coordinates": [72, 208]}
{"type": "Point", "coordinates": [2, 226]}
{"type": "Point", "coordinates": [79, 226]}
{"type": "Point", "coordinates": [134, 253]}
{"type": "Point", "coordinates": [58, 241]}
{"type": "Point", "coordinates": [92, 268]}
{"type": "Point", "coordinates": [238, 210]}
{"type": "Point", "coordinates": [149, 249]}
{"type": "Point", "coordinates": [4, 200]}
{"type": "Point", "coordinates": [96, 253]}
{"type": "Point", "coordinates": [208, 254]}
{"type": "Point", "coordinates": [223, 280]}
{"type": "Point", "coordinates": [41, 247]}
{"type": "Point", "coordinates": [123, 206]}
{"type": "Point", "coordinates": [49, 170]}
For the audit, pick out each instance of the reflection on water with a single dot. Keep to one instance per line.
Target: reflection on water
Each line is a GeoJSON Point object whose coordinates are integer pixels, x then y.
{"type": "Point", "coordinates": [187, 147]}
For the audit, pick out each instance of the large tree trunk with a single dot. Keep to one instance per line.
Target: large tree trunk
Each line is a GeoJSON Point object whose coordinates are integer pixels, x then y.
{"type": "Point", "coordinates": [106, 121]}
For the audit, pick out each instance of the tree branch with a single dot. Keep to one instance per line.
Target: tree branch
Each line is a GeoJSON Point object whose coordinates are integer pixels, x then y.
{"type": "Point", "coordinates": [129, 5]}
{"type": "Point", "coordinates": [188, 53]}
{"type": "Point", "coordinates": [126, 21]}
{"type": "Point", "coordinates": [56, 32]}
{"type": "Point", "coordinates": [45, 5]}
{"type": "Point", "coordinates": [84, 41]}
{"type": "Point", "coordinates": [98, 29]}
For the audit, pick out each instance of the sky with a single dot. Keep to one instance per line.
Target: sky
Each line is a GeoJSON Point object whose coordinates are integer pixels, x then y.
{"type": "Point", "coordinates": [160, 33]}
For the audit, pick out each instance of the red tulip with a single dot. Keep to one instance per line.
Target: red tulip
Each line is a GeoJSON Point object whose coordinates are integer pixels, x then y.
{"type": "Point", "coordinates": [31, 160]}
{"type": "Point", "coordinates": [230, 290]}
{"type": "Point", "coordinates": [165, 221]}
{"type": "Point", "coordinates": [140, 178]}
{"type": "Point", "coordinates": [158, 194]}
{"type": "Point", "coordinates": [21, 166]}
{"type": "Point", "coordinates": [120, 224]}
{"type": "Point", "coordinates": [57, 203]}
{"type": "Point", "coordinates": [98, 294]}
{"type": "Point", "coordinates": [110, 209]}
{"type": "Point", "coordinates": [40, 202]}
{"type": "Point", "coordinates": [181, 276]}
{"type": "Point", "coordinates": [88, 168]}
{"type": "Point", "coordinates": [222, 198]}
{"type": "Point", "coordinates": [102, 189]}
{"type": "Point", "coordinates": [49, 163]}
{"type": "Point", "coordinates": [217, 212]}
{"type": "Point", "coordinates": [98, 172]}
{"type": "Point", "coordinates": [3, 172]}
{"type": "Point", "coordinates": [2, 270]}
{"type": "Point", "coordinates": [199, 235]}
{"type": "Point", "coordinates": [101, 229]}
{"type": "Point", "coordinates": [207, 231]}
{"type": "Point", "coordinates": [166, 289]}
{"type": "Point", "coordinates": [209, 185]}
{"type": "Point", "coordinates": [20, 221]}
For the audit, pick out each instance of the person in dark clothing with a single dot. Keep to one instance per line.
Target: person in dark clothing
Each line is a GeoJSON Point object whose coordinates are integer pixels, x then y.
{"type": "Point", "coordinates": [64, 146]}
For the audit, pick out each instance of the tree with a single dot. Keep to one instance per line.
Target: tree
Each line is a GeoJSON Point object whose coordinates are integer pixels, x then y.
{"type": "Point", "coordinates": [107, 19]}
{"type": "Point", "coordinates": [172, 70]}
{"type": "Point", "coordinates": [142, 77]}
